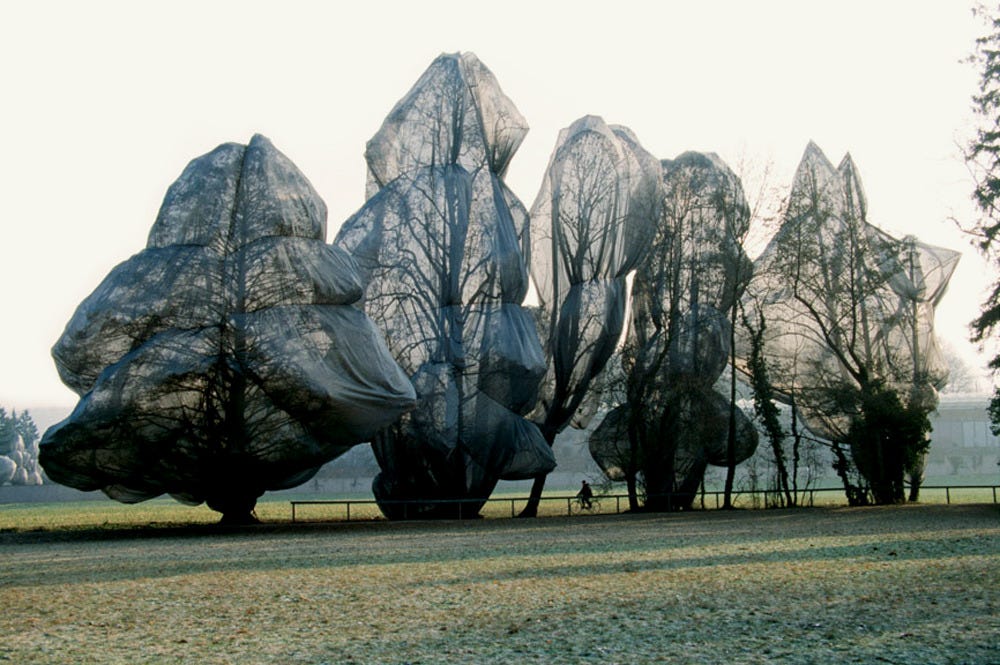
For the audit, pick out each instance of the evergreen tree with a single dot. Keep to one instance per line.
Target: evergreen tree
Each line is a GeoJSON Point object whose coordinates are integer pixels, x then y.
{"type": "Point", "coordinates": [8, 432]}
{"type": "Point", "coordinates": [25, 426]}
{"type": "Point", "coordinates": [983, 156]}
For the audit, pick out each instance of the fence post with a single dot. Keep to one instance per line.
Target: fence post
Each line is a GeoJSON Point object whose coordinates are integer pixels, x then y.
{"type": "Point", "coordinates": [947, 495]}
{"type": "Point", "coordinates": [348, 511]}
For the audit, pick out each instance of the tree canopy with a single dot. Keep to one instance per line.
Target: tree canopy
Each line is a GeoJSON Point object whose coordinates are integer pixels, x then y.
{"type": "Point", "coordinates": [442, 244]}
{"type": "Point", "coordinates": [226, 358]}
{"type": "Point", "coordinates": [850, 313]}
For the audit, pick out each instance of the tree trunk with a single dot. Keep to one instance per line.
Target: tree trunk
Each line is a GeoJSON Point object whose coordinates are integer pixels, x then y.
{"type": "Point", "coordinates": [796, 457]}
{"type": "Point", "coordinates": [855, 495]}
{"type": "Point", "coordinates": [538, 485]}
{"type": "Point", "coordinates": [534, 498]}
{"type": "Point", "coordinates": [237, 507]}
{"type": "Point", "coordinates": [633, 494]}
{"type": "Point", "coordinates": [916, 477]}
{"type": "Point", "coordinates": [659, 465]}
{"type": "Point", "coordinates": [727, 502]}
{"type": "Point", "coordinates": [632, 471]}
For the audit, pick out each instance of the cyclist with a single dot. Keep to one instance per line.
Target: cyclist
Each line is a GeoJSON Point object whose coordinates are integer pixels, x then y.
{"type": "Point", "coordinates": [585, 494]}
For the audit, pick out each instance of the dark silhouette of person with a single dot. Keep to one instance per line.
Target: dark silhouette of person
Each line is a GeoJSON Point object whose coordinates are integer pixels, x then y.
{"type": "Point", "coordinates": [585, 494]}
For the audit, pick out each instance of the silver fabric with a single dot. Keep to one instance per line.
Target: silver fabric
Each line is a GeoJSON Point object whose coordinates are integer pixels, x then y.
{"type": "Point", "coordinates": [841, 297]}
{"type": "Point", "coordinates": [678, 342]}
{"type": "Point", "coordinates": [441, 243]}
{"type": "Point", "coordinates": [226, 358]}
{"type": "Point", "coordinates": [591, 224]}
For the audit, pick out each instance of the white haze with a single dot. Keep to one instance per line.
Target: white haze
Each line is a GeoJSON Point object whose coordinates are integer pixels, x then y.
{"type": "Point", "coordinates": [105, 102]}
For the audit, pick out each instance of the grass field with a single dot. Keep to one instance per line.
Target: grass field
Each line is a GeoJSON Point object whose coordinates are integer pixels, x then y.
{"type": "Point", "coordinates": [913, 584]}
{"type": "Point", "coordinates": [276, 508]}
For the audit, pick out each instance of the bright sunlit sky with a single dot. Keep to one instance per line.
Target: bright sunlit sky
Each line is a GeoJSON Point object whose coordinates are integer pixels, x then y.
{"type": "Point", "coordinates": [104, 103]}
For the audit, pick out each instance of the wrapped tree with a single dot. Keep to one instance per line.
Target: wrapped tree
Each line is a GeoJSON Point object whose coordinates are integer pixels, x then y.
{"type": "Point", "coordinates": [590, 225]}
{"type": "Point", "coordinates": [442, 243]}
{"type": "Point", "coordinates": [225, 359]}
{"type": "Point", "coordinates": [674, 423]}
{"type": "Point", "coordinates": [18, 449]}
{"type": "Point", "coordinates": [849, 312]}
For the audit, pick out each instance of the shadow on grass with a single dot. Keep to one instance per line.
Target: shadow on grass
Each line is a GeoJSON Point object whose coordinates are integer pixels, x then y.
{"type": "Point", "coordinates": [646, 541]}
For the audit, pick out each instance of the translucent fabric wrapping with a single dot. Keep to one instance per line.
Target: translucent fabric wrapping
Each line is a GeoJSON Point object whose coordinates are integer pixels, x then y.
{"type": "Point", "coordinates": [702, 439]}
{"type": "Point", "coordinates": [844, 301]}
{"type": "Point", "coordinates": [679, 339]}
{"type": "Point", "coordinates": [590, 225]}
{"type": "Point", "coordinates": [920, 281]}
{"type": "Point", "coordinates": [456, 113]}
{"type": "Point", "coordinates": [226, 358]}
{"type": "Point", "coordinates": [18, 456]}
{"type": "Point", "coordinates": [441, 243]}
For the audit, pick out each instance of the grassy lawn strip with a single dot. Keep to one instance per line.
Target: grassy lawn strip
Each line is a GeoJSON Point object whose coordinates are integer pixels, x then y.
{"type": "Point", "coordinates": [825, 585]}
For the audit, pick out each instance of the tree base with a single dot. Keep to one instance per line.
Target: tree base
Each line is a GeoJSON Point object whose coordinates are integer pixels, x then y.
{"type": "Point", "coordinates": [239, 519]}
{"type": "Point", "coordinates": [236, 510]}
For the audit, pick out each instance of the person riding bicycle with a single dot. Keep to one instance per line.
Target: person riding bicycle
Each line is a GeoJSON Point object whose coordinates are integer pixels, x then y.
{"type": "Point", "coordinates": [585, 494]}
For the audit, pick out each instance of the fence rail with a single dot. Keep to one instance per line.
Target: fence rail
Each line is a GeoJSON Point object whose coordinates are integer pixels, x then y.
{"type": "Point", "coordinates": [608, 503]}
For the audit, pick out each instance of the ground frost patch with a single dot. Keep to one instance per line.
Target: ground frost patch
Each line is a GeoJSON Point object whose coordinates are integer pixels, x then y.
{"type": "Point", "coordinates": [900, 584]}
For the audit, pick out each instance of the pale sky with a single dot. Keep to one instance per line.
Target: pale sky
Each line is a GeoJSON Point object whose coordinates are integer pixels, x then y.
{"type": "Point", "coordinates": [104, 103]}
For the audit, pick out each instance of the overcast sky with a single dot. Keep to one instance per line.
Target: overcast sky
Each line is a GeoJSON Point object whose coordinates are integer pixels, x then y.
{"type": "Point", "coordinates": [104, 103]}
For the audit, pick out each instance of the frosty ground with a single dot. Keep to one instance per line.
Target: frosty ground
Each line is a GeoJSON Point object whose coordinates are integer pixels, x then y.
{"type": "Point", "coordinates": [907, 584]}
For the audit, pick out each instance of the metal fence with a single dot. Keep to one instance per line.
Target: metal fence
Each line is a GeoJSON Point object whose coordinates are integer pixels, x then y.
{"type": "Point", "coordinates": [367, 509]}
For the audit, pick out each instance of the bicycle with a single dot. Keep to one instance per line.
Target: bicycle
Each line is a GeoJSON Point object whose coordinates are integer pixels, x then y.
{"type": "Point", "coordinates": [578, 507]}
